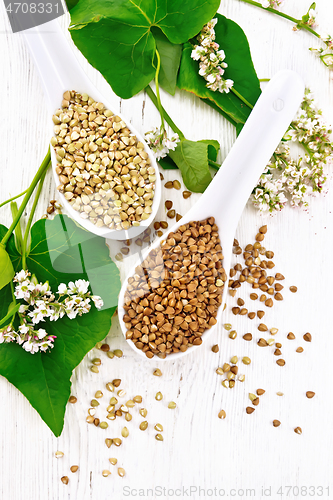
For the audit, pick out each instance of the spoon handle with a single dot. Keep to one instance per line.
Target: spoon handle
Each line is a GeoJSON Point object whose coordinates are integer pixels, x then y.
{"type": "Point", "coordinates": [58, 67]}
{"type": "Point", "coordinates": [265, 127]}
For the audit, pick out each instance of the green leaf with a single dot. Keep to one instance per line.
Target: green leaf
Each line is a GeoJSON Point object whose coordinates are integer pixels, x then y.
{"type": "Point", "coordinates": [306, 17]}
{"type": "Point", "coordinates": [11, 312]}
{"type": "Point", "coordinates": [5, 300]}
{"type": "Point", "coordinates": [116, 35]}
{"type": "Point", "coordinates": [167, 164]}
{"type": "Point", "coordinates": [240, 68]}
{"type": "Point", "coordinates": [71, 4]}
{"type": "Point", "coordinates": [6, 267]}
{"type": "Point", "coordinates": [239, 127]}
{"type": "Point", "coordinates": [61, 252]}
{"type": "Point", "coordinates": [213, 148]}
{"type": "Point", "coordinates": [192, 160]}
{"type": "Point", "coordinates": [233, 41]}
{"type": "Point", "coordinates": [170, 55]}
{"type": "Point", "coordinates": [190, 80]}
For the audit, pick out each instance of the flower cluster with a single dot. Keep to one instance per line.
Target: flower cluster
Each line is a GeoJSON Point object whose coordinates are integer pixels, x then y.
{"type": "Point", "coordinates": [211, 65]}
{"type": "Point", "coordinates": [40, 304]}
{"type": "Point", "coordinates": [297, 181]}
{"type": "Point", "coordinates": [273, 4]}
{"type": "Point", "coordinates": [159, 143]}
{"type": "Point", "coordinates": [268, 195]}
{"type": "Point", "coordinates": [326, 54]}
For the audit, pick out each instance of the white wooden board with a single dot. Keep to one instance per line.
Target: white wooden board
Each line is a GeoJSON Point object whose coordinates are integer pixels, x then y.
{"type": "Point", "coordinates": [243, 452]}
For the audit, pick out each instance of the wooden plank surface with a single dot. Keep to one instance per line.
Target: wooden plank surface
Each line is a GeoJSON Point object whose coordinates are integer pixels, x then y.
{"type": "Point", "coordinates": [199, 450]}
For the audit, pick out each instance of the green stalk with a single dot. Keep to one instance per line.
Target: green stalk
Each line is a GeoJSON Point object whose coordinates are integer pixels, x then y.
{"type": "Point", "coordinates": [160, 107]}
{"type": "Point", "coordinates": [27, 197]}
{"type": "Point", "coordinates": [168, 119]}
{"type": "Point", "coordinates": [12, 199]}
{"type": "Point", "coordinates": [307, 149]}
{"type": "Point", "coordinates": [171, 123]}
{"type": "Point", "coordinates": [298, 22]}
{"type": "Point", "coordinates": [275, 157]}
{"type": "Point", "coordinates": [213, 164]}
{"type": "Point", "coordinates": [234, 91]}
{"type": "Point", "coordinates": [32, 213]}
{"type": "Point", "coordinates": [18, 229]}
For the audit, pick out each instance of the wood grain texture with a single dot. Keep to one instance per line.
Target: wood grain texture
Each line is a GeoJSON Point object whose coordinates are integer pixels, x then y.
{"type": "Point", "coordinates": [199, 450]}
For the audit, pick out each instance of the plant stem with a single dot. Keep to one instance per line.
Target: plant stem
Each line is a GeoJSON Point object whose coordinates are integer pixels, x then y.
{"type": "Point", "coordinates": [234, 91]}
{"type": "Point", "coordinates": [298, 22]}
{"type": "Point", "coordinates": [173, 126]}
{"type": "Point", "coordinates": [264, 79]}
{"type": "Point", "coordinates": [32, 212]}
{"type": "Point", "coordinates": [213, 164]}
{"type": "Point", "coordinates": [18, 229]}
{"type": "Point", "coordinates": [44, 166]}
{"type": "Point", "coordinates": [307, 149]}
{"type": "Point", "coordinates": [12, 199]}
{"type": "Point", "coordinates": [168, 119]}
{"type": "Point", "coordinates": [160, 107]}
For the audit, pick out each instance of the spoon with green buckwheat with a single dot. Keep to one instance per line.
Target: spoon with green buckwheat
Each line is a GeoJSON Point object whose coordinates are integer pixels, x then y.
{"type": "Point", "coordinates": [107, 177]}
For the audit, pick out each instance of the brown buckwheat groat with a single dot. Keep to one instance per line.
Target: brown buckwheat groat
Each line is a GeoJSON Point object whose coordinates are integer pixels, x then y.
{"type": "Point", "coordinates": [174, 295]}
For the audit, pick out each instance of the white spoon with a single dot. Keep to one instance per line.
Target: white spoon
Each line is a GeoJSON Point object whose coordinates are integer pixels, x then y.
{"type": "Point", "coordinates": [60, 71]}
{"type": "Point", "coordinates": [226, 196]}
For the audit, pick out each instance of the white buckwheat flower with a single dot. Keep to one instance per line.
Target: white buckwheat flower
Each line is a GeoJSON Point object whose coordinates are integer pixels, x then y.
{"type": "Point", "coordinates": [97, 301]}
{"type": "Point", "coordinates": [30, 346]}
{"type": "Point", "coordinates": [41, 333]}
{"type": "Point", "coordinates": [211, 59]}
{"type": "Point", "coordinates": [36, 316]}
{"type": "Point", "coordinates": [286, 179]}
{"type": "Point", "coordinates": [198, 52]}
{"type": "Point", "coordinates": [325, 54]}
{"type": "Point", "coordinates": [273, 4]}
{"type": "Point", "coordinates": [62, 289]}
{"type": "Point", "coordinates": [159, 143]}
{"type": "Point", "coordinates": [82, 286]}
{"type": "Point", "coordinates": [74, 299]}
{"type": "Point", "coordinates": [24, 329]}
{"type": "Point", "coordinates": [22, 291]}
{"type": "Point", "coordinates": [21, 276]}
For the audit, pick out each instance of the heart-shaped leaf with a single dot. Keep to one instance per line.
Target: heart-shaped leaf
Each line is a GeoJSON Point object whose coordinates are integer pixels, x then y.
{"type": "Point", "coordinates": [71, 4]}
{"type": "Point", "coordinates": [231, 38]}
{"type": "Point", "coordinates": [117, 39]}
{"type": "Point", "coordinates": [192, 160]}
{"type": "Point", "coordinates": [60, 252]}
{"type": "Point", "coordinates": [213, 148]}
